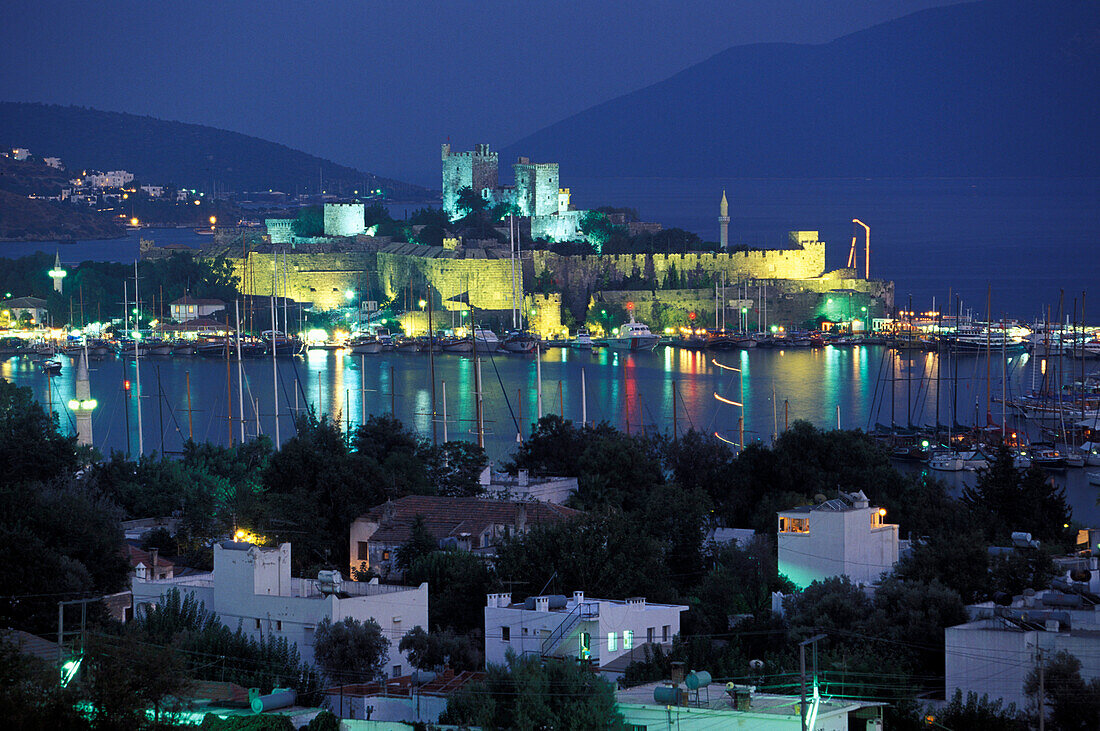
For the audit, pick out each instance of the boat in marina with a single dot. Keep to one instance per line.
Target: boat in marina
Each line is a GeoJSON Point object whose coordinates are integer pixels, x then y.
{"type": "Point", "coordinates": [519, 341]}
{"type": "Point", "coordinates": [487, 340]}
{"type": "Point", "coordinates": [50, 367]}
{"type": "Point", "coordinates": [1048, 458]}
{"type": "Point", "coordinates": [456, 345]}
{"type": "Point", "coordinates": [1094, 478]}
{"type": "Point", "coordinates": [633, 336]}
{"type": "Point", "coordinates": [407, 345]}
{"type": "Point", "coordinates": [583, 339]}
{"type": "Point", "coordinates": [366, 345]}
{"type": "Point", "coordinates": [183, 348]}
{"type": "Point", "coordinates": [157, 347]}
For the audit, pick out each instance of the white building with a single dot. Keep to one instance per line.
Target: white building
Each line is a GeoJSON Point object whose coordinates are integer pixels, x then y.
{"type": "Point", "coordinates": [602, 631]}
{"type": "Point", "coordinates": [188, 308]}
{"type": "Point", "coordinates": [251, 586]}
{"type": "Point", "coordinates": [53, 162]}
{"type": "Point", "coordinates": [841, 537]}
{"type": "Point", "coordinates": [153, 191]}
{"type": "Point", "coordinates": [714, 708]}
{"type": "Point", "coordinates": [524, 486]}
{"type": "Point", "coordinates": [20, 153]}
{"type": "Point", "coordinates": [118, 178]}
{"type": "Point", "coordinates": [995, 651]}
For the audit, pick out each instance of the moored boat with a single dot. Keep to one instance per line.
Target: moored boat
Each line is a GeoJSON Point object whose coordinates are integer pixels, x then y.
{"type": "Point", "coordinates": [634, 336]}
{"type": "Point", "coordinates": [487, 340]}
{"type": "Point", "coordinates": [519, 342]}
{"type": "Point", "coordinates": [583, 340]}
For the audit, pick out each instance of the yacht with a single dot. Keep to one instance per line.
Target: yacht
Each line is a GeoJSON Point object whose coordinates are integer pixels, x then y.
{"type": "Point", "coordinates": [633, 335]}
{"type": "Point", "coordinates": [487, 340]}
{"type": "Point", "coordinates": [583, 341]}
{"type": "Point", "coordinates": [454, 344]}
{"type": "Point", "coordinates": [519, 342]}
{"type": "Point", "coordinates": [366, 345]}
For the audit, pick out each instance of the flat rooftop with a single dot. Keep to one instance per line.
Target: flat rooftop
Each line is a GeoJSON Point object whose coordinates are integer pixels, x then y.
{"type": "Point", "coordinates": [779, 705]}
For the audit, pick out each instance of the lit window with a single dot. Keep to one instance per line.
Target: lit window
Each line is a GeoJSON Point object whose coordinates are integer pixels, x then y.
{"type": "Point", "coordinates": [190, 308]}
{"type": "Point", "coordinates": [385, 555]}
{"type": "Point", "coordinates": [628, 639]}
{"type": "Point", "coordinates": [612, 642]}
{"type": "Point", "coordinates": [794, 525]}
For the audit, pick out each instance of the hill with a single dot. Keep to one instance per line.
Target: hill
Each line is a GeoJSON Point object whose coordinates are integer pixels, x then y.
{"type": "Point", "coordinates": [185, 155]}
{"type": "Point", "coordinates": [994, 88]}
{"type": "Point", "coordinates": [35, 219]}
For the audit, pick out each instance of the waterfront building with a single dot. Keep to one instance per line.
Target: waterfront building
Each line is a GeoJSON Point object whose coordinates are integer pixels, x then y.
{"type": "Point", "coordinates": [34, 307]}
{"type": "Point", "coordinates": [846, 536]}
{"type": "Point", "coordinates": [188, 308]}
{"type": "Point", "coordinates": [609, 633]}
{"type": "Point", "coordinates": [251, 587]}
{"type": "Point", "coordinates": [468, 524]}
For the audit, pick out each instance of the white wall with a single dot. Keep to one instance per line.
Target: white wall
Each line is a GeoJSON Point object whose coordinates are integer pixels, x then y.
{"type": "Point", "coordinates": [838, 543]}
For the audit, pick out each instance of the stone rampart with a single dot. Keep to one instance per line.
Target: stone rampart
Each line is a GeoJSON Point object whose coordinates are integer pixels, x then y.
{"type": "Point", "coordinates": [322, 279]}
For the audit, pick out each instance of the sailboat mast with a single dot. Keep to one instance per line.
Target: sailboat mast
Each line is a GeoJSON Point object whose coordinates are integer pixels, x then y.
{"type": "Point", "coordinates": [431, 362]}
{"type": "Point", "coordinates": [538, 379]}
{"type": "Point", "coordinates": [137, 362]}
{"type": "Point", "coordinates": [275, 377]}
{"type": "Point", "coordinates": [512, 239]}
{"type": "Point", "coordinates": [584, 402]}
{"type": "Point", "coordinates": [240, 368]}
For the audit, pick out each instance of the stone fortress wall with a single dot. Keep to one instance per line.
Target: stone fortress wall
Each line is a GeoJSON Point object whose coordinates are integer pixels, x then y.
{"type": "Point", "coordinates": [344, 219]}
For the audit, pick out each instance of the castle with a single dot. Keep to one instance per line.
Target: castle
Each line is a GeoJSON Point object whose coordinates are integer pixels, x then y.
{"type": "Point", "coordinates": [536, 193]}
{"type": "Point", "coordinates": [791, 285]}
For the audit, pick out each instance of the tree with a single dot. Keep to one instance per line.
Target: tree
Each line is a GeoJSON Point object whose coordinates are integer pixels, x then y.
{"type": "Point", "coordinates": [30, 697]}
{"type": "Point", "coordinates": [421, 542]}
{"type": "Point", "coordinates": [531, 693]}
{"type": "Point", "coordinates": [350, 650]}
{"type": "Point", "coordinates": [436, 650]}
{"type": "Point", "coordinates": [310, 222]}
{"type": "Point", "coordinates": [1074, 704]}
{"type": "Point", "coordinates": [469, 203]}
{"type": "Point", "coordinates": [456, 469]}
{"type": "Point", "coordinates": [1005, 500]}
{"type": "Point", "coordinates": [32, 448]}
{"type": "Point", "coordinates": [127, 676]}
{"type": "Point", "coordinates": [979, 714]}
{"type": "Point", "coordinates": [457, 584]}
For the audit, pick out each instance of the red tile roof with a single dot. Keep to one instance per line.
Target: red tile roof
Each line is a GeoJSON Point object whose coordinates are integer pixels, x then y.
{"type": "Point", "coordinates": [453, 516]}
{"type": "Point", "coordinates": [444, 684]}
{"type": "Point", "coordinates": [135, 555]}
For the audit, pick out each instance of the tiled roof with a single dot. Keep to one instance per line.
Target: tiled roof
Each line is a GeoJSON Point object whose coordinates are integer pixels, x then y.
{"type": "Point", "coordinates": [135, 555]}
{"type": "Point", "coordinates": [454, 516]}
{"type": "Point", "coordinates": [24, 302]}
{"type": "Point", "coordinates": [189, 300]}
{"type": "Point", "coordinates": [444, 684]}
{"type": "Point", "coordinates": [33, 645]}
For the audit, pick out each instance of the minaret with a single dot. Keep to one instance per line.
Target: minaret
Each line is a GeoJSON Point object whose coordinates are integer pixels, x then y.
{"type": "Point", "coordinates": [724, 222]}
{"type": "Point", "coordinates": [57, 274]}
{"type": "Point", "coordinates": [83, 403]}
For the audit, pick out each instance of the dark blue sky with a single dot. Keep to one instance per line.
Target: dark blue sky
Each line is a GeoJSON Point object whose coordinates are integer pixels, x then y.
{"type": "Point", "coordinates": [379, 85]}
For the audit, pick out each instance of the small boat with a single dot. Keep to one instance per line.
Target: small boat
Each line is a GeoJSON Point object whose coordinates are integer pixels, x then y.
{"type": "Point", "coordinates": [132, 348]}
{"type": "Point", "coordinates": [214, 348]}
{"type": "Point", "coordinates": [1048, 458]}
{"type": "Point", "coordinates": [282, 344]}
{"type": "Point", "coordinates": [1021, 460]}
{"type": "Point", "coordinates": [947, 462]}
{"type": "Point", "coordinates": [1075, 460]}
{"type": "Point", "coordinates": [633, 336]}
{"type": "Point", "coordinates": [519, 342]}
{"type": "Point", "coordinates": [583, 341]}
{"type": "Point", "coordinates": [406, 345]}
{"type": "Point", "coordinates": [487, 340]}
{"type": "Point", "coordinates": [158, 347]}
{"type": "Point", "coordinates": [50, 367]}
{"type": "Point", "coordinates": [99, 348]}
{"type": "Point", "coordinates": [183, 348]}
{"type": "Point", "coordinates": [457, 345]}
{"type": "Point", "coordinates": [1094, 478]}
{"type": "Point", "coordinates": [365, 345]}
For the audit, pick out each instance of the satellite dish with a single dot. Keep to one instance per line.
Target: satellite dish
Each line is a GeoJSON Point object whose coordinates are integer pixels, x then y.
{"type": "Point", "coordinates": [757, 665]}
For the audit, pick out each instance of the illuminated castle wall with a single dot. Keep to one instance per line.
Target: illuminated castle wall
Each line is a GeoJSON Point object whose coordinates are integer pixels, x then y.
{"type": "Point", "coordinates": [321, 279]}
{"type": "Point", "coordinates": [344, 219]}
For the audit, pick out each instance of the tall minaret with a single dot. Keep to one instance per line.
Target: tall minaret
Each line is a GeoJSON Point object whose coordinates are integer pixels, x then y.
{"type": "Point", "coordinates": [83, 403]}
{"type": "Point", "coordinates": [57, 274]}
{"type": "Point", "coordinates": [724, 222]}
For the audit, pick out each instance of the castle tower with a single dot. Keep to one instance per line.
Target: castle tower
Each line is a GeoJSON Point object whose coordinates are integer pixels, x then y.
{"type": "Point", "coordinates": [83, 403]}
{"type": "Point", "coordinates": [724, 222]}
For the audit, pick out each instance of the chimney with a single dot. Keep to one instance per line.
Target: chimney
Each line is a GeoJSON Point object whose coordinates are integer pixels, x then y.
{"type": "Point", "coordinates": [389, 512]}
{"type": "Point", "coordinates": [486, 477]}
{"type": "Point", "coordinates": [523, 478]}
{"type": "Point", "coordinates": [542, 604]}
{"type": "Point", "coordinates": [153, 560]}
{"type": "Point", "coordinates": [578, 597]}
{"type": "Point", "coordinates": [677, 672]}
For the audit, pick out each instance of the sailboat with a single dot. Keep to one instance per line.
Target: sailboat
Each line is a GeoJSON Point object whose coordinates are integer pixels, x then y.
{"type": "Point", "coordinates": [518, 340]}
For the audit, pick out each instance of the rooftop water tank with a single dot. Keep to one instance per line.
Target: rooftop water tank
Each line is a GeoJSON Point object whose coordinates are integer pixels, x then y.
{"type": "Point", "coordinates": [697, 679]}
{"type": "Point", "coordinates": [668, 695]}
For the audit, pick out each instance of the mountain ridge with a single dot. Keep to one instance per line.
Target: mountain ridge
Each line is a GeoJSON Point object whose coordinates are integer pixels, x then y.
{"type": "Point", "coordinates": [993, 88]}
{"type": "Point", "coordinates": [184, 154]}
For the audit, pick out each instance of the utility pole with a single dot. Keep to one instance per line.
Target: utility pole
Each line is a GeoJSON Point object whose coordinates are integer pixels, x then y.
{"type": "Point", "coordinates": [1042, 693]}
{"type": "Point", "coordinates": [802, 673]}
